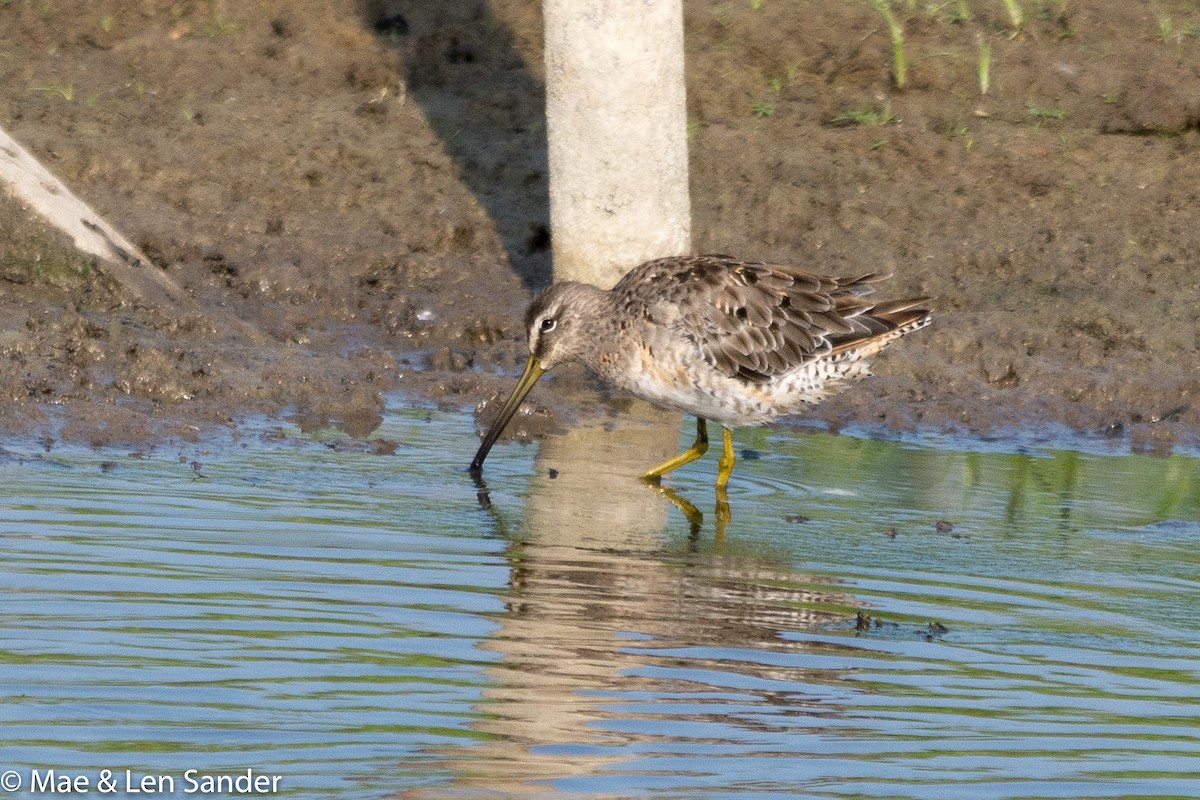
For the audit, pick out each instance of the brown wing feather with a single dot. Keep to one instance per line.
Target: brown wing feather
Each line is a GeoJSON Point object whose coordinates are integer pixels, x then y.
{"type": "Point", "coordinates": [756, 321]}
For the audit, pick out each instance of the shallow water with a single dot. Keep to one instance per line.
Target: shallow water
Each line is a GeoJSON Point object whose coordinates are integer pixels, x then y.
{"type": "Point", "coordinates": [362, 625]}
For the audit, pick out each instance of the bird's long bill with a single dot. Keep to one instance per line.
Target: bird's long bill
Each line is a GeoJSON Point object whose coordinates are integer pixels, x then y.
{"type": "Point", "coordinates": [533, 371]}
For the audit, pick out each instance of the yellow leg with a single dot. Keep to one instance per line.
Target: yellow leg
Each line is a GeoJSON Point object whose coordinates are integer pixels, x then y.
{"type": "Point", "coordinates": [699, 448]}
{"type": "Point", "coordinates": [725, 463]}
{"type": "Point", "coordinates": [694, 517]}
{"type": "Point", "coordinates": [723, 513]}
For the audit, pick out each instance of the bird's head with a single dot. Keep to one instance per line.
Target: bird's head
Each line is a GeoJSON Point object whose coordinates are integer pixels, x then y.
{"type": "Point", "coordinates": [557, 322]}
{"type": "Point", "coordinates": [558, 329]}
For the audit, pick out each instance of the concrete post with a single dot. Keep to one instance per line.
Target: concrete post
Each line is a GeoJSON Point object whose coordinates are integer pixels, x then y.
{"type": "Point", "coordinates": [617, 135]}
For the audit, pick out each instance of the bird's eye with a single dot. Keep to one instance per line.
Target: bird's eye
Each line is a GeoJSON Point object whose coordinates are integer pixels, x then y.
{"type": "Point", "coordinates": [548, 324]}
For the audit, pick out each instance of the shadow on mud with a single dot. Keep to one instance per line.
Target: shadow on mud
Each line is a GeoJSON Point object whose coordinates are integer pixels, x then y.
{"type": "Point", "coordinates": [487, 107]}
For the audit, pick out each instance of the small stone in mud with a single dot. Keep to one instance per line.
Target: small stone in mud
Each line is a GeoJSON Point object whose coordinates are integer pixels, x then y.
{"type": "Point", "coordinates": [282, 26]}
{"type": "Point", "coordinates": [1000, 373]}
{"type": "Point", "coordinates": [537, 240]}
{"type": "Point", "coordinates": [796, 518]}
{"type": "Point", "coordinates": [484, 333]}
{"type": "Point", "coordinates": [934, 630]}
{"type": "Point", "coordinates": [1173, 414]}
{"type": "Point", "coordinates": [942, 526]}
{"type": "Point", "coordinates": [552, 472]}
{"type": "Point", "coordinates": [450, 360]}
{"type": "Point", "coordinates": [371, 109]}
{"type": "Point", "coordinates": [392, 25]}
{"type": "Point", "coordinates": [384, 447]}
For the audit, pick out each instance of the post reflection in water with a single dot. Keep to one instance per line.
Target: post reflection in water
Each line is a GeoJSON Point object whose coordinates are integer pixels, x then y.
{"type": "Point", "coordinates": [1017, 607]}
{"type": "Point", "coordinates": [599, 590]}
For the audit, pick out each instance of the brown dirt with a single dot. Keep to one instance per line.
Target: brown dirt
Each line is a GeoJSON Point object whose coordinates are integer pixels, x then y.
{"type": "Point", "coordinates": [375, 202]}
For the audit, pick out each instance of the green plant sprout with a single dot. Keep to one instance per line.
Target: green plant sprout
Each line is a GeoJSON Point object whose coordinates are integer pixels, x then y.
{"type": "Point", "coordinates": [961, 132]}
{"type": "Point", "coordinates": [762, 109]}
{"type": "Point", "coordinates": [896, 33]}
{"type": "Point", "coordinates": [871, 117]}
{"type": "Point", "coordinates": [1015, 15]}
{"type": "Point", "coordinates": [1168, 33]}
{"type": "Point", "coordinates": [1165, 25]}
{"type": "Point", "coordinates": [220, 26]}
{"type": "Point", "coordinates": [1045, 112]}
{"type": "Point", "coordinates": [65, 91]}
{"type": "Point", "coordinates": [985, 66]}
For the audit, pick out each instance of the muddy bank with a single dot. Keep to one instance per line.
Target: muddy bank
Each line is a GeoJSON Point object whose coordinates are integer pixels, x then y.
{"type": "Point", "coordinates": [366, 187]}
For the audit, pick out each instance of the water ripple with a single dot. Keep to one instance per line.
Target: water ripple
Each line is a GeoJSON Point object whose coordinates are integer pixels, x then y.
{"type": "Point", "coordinates": [877, 619]}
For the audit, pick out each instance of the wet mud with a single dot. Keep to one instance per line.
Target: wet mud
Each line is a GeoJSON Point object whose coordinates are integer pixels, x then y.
{"type": "Point", "coordinates": [365, 187]}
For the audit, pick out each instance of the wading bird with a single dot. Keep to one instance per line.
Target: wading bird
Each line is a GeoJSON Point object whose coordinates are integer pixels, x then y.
{"type": "Point", "coordinates": [736, 342]}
